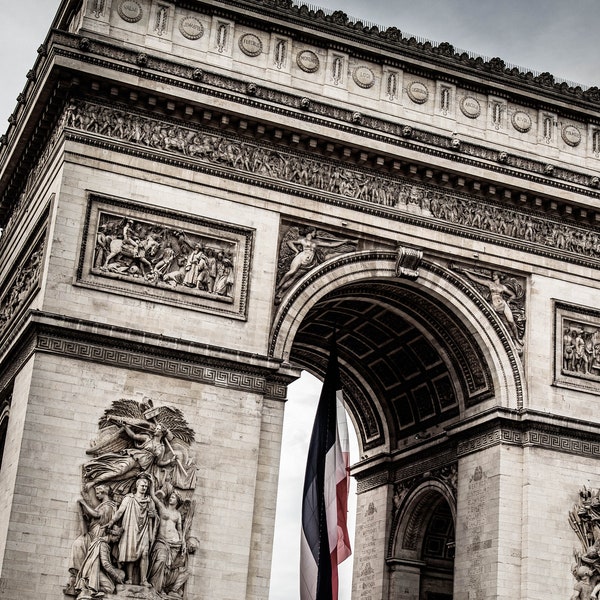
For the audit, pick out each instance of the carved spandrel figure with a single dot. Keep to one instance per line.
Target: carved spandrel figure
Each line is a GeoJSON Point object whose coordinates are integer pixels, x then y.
{"type": "Point", "coordinates": [501, 297]}
{"type": "Point", "coordinates": [301, 249]}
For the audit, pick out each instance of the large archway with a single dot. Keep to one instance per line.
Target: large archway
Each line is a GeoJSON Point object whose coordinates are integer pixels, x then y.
{"type": "Point", "coordinates": [419, 356]}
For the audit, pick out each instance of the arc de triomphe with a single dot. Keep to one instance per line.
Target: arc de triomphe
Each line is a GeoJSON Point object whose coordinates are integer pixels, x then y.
{"type": "Point", "coordinates": [193, 194]}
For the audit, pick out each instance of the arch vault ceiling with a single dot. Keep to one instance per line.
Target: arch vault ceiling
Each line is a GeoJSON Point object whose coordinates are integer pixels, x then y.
{"type": "Point", "coordinates": [406, 360]}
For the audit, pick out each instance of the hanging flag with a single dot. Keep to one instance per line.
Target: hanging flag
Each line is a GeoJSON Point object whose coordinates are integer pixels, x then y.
{"type": "Point", "coordinates": [325, 542]}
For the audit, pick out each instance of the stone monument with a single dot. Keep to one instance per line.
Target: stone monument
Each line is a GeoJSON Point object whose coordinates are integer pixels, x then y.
{"type": "Point", "coordinates": [192, 196]}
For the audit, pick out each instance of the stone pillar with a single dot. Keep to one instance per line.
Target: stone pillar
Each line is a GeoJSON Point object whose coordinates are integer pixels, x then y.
{"type": "Point", "coordinates": [405, 578]}
{"type": "Point", "coordinates": [265, 499]}
{"type": "Point", "coordinates": [373, 510]}
{"type": "Point", "coordinates": [489, 523]}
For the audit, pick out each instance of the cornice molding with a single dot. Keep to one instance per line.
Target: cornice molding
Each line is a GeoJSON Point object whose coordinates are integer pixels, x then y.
{"type": "Point", "coordinates": [150, 353]}
{"type": "Point", "coordinates": [405, 48]}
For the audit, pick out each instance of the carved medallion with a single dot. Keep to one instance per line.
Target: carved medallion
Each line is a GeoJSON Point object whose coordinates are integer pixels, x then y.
{"type": "Point", "coordinates": [521, 121]}
{"type": "Point", "coordinates": [363, 77]}
{"type": "Point", "coordinates": [308, 61]}
{"type": "Point", "coordinates": [130, 11]}
{"type": "Point", "coordinates": [571, 135]}
{"type": "Point", "coordinates": [137, 494]}
{"type": "Point", "coordinates": [250, 44]}
{"type": "Point", "coordinates": [418, 92]}
{"type": "Point", "coordinates": [470, 107]}
{"type": "Point", "coordinates": [191, 28]}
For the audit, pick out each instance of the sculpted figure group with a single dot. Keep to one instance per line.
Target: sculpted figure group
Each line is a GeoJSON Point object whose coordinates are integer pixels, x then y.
{"type": "Point", "coordinates": [161, 256]}
{"type": "Point", "coordinates": [581, 349]}
{"type": "Point", "coordinates": [137, 506]}
{"type": "Point", "coordinates": [584, 518]}
{"type": "Point", "coordinates": [333, 178]}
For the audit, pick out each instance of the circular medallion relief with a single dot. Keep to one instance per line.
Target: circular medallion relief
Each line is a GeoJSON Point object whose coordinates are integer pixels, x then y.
{"type": "Point", "coordinates": [417, 92]}
{"type": "Point", "coordinates": [130, 11]}
{"type": "Point", "coordinates": [521, 121]}
{"type": "Point", "coordinates": [308, 61]}
{"type": "Point", "coordinates": [571, 135]}
{"type": "Point", "coordinates": [250, 44]}
{"type": "Point", "coordinates": [363, 77]}
{"type": "Point", "coordinates": [470, 107]}
{"type": "Point", "coordinates": [191, 28]}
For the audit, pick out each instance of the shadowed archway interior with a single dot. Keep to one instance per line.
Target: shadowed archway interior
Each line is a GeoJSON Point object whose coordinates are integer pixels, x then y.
{"type": "Point", "coordinates": [403, 354]}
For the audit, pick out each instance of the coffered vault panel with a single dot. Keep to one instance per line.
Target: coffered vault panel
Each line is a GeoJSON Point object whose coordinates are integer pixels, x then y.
{"type": "Point", "coordinates": [398, 350]}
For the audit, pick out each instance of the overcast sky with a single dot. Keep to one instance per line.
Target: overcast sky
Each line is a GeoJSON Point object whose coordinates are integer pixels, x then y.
{"type": "Point", "coordinates": [559, 36]}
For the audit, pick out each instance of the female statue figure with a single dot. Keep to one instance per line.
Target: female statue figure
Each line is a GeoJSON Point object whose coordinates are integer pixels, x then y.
{"type": "Point", "coordinates": [169, 543]}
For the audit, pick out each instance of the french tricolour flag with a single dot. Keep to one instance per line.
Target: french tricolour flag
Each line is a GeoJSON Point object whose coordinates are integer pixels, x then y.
{"type": "Point", "coordinates": [325, 542]}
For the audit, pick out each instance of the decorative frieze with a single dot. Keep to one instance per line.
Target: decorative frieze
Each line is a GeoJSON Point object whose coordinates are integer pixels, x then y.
{"type": "Point", "coordinates": [166, 257]}
{"type": "Point", "coordinates": [21, 284]}
{"type": "Point", "coordinates": [539, 233]}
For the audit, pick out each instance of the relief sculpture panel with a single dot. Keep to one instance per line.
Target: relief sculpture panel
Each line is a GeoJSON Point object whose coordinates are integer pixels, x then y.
{"type": "Point", "coordinates": [577, 347]}
{"type": "Point", "coordinates": [137, 506]}
{"type": "Point", "coordinates": [170, 258]}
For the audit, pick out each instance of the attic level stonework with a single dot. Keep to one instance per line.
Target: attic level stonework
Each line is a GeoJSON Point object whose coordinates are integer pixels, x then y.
{"type": "Point", "coordinates": [193, 197]}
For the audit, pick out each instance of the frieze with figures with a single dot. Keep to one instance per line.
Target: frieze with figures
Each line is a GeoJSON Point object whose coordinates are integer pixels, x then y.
{"type": "Point", "coordinates": [22, 283]}
{"type": "Point", "coordinates": [166, 257]}
{"type": "Point", "coordinates": [383, 190]}
{"type": "Point", "coordinates": [137, 505]}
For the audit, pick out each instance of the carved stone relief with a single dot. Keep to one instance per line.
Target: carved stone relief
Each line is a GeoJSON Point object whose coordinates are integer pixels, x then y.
{"type": "Point", "coordinates": [137, 505]}
{"type": "Point", "coordinates": [191, 28]}
{"type": "Point", "coordinates": [250, 44]}
{"type": "Point", "coordinates": [417, 92]}
{"type": "Point", "coordinates": [21, 283]}
{"type": "Point", "coordinates": [577, 347]}
{"type": "Point", "coordinates": [583, 519]}
{"type": "Point", "coordinates": [302, 248]}
{"type": "Point", "coordinates": [363, 77]}
{"type": "Point", "coordinates": [166, 257]}
{"type": "Point", "coordinates": [505, 293]}
{"type": "Point", "coordinates": [308, 61]}
{"type": "Point", "coordinates": [130, 10]}
{"type": "Point", "coordinates": [384, 190]}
